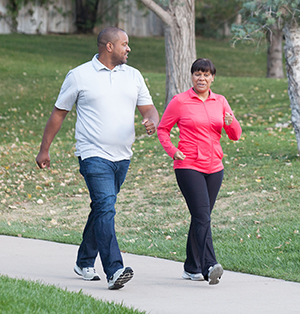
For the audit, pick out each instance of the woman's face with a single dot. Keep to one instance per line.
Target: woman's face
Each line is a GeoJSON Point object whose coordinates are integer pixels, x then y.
{"type": "Point", "coordinates": [202, 81]}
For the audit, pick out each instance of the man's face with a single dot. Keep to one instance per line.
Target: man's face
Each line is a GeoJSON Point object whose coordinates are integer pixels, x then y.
{"type": "Point", "coordinates": [120, 49]}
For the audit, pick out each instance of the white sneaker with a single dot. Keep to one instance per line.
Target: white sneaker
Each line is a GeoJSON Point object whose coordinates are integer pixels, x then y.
{"type": "Point", "coordinates": [119, 278]}
{"type": "Point", "coordinates": [214, 274]}
{"type": "Point", "coordinates": [88, 273]}
{"type": "Point", "coordinates": [194, 277]}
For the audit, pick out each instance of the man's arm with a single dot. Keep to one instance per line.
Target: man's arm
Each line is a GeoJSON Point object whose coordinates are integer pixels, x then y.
{"type": "Point", "coordinates": [151, 118]}
{"type": "Point", "coordinates": [51, 129]}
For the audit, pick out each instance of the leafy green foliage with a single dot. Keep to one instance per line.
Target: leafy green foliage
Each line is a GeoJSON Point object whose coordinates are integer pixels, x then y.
{"type": "Point", "coordinates": [86, 15]}
{"type": "Point", "coordinates": [259, 15]}
{"type": "Point", "coordinates": [14, 6]}
{"type": "Point", "coordinates": [212, 15]}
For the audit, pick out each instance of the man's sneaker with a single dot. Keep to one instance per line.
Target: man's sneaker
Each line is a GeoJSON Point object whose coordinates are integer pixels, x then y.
{"type": "Point", "coordinates": [88, 273]}
{"type": "Point", "coordinates": [119, 278]}
{"type": "Point", "coordinates": [214, 274]}
{"type": "Point", "coordinates": [195, 277]}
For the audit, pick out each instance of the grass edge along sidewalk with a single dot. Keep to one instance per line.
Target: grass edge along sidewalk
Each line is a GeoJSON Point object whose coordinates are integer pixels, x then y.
{"type": "Point", "coordinates": [26, 296]}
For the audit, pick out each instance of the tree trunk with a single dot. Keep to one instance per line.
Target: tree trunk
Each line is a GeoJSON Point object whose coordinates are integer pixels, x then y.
{"type": "Point", "coordinates": [274, 55]}
{"type": "Point", "coordinates": [180, 47]}
{"type": "Point", "coordinates": [292, 56]}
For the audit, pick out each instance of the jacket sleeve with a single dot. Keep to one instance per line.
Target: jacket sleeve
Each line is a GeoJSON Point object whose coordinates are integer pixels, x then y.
{"type": "Point", "coordinates": [168, 120]}
{"type": "Point", "coordinates": [234, 130]}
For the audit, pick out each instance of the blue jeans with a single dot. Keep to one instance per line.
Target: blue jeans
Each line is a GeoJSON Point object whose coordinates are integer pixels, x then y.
{"type": "Point", "coordinates": [103, 179]}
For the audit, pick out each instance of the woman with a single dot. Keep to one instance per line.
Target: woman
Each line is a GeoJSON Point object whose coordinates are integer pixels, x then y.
{"type": "Point", "coordinates": [200, 116]}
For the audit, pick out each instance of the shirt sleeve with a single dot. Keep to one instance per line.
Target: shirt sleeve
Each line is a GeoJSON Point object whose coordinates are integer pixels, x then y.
{"type": "Point", "coordinates": [144, 97]}
{"type": "Point", "coordinates": [68, 93]}
{"type": "Point", "coordinates": [168, 120]}
{"type": "Point", "coordinates": [234, 130]}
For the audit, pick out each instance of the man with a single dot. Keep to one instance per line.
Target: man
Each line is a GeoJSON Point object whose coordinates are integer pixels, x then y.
{"type": "Point", "coordinates": [106, 92]}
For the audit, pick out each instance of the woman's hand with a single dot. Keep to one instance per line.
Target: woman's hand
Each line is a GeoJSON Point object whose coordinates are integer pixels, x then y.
{"type": "Point", "coordinates": [228, 118]}
{"type": "Point", "coordinates": [179, 155]}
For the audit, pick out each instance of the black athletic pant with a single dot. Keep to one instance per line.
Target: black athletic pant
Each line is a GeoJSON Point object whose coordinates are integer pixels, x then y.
{"type": "Point", "coordinates": [200, 191]}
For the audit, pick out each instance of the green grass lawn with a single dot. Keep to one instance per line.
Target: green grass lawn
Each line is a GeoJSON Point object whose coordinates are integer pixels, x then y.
{"type": "Point", "coordinates": [256, 217]}
{"type": "Point", "coordinates": [21, 296]}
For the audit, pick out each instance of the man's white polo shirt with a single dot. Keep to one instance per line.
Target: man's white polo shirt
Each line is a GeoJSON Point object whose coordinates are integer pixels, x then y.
{"type": "Point", "coordinates": [105, 103]}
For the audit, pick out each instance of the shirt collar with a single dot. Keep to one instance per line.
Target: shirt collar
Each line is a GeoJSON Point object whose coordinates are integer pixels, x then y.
{"type": "Point", "coordinates": [212, 96]}
{"type": "Point", "coordinates": [98, 66]}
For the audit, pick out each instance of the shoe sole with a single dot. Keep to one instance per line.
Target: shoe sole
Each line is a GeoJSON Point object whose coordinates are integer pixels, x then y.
{"type": "Point", "coordinates": [215, 274]}
{"type": "Point", "coordinates": [87, 279]}
{"type": "Point", "coordinates": [123, 278]}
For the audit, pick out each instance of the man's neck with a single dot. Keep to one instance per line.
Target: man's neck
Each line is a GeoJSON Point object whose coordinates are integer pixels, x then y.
{"type": "Point", "coordinates": [106, 62]}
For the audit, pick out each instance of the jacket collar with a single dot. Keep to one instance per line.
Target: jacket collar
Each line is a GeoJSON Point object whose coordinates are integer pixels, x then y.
{"type": "Point", "coordinates": [212, 96]}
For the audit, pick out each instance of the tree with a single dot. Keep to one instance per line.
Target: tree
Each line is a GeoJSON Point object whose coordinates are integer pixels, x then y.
{"type": "Point", "coordinates": [274, 54]}
{"type": "Point", "coordinates": [178, 17]}
{"type": "Point", "coordinates": [274, 36]}
{"type": "Point", "coordinates": [261, 16]}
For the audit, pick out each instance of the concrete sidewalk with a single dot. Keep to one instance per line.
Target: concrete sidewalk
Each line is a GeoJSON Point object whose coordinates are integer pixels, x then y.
{"type": "Point", "coordinates": [157, 286]}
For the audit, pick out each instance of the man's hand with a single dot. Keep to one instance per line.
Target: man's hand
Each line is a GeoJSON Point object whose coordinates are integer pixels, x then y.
{"type": "Point", "coordinates": [52, 127]}
{"type": "Point", "coordinates": [43, 160]}
{"type": "Point", "coordinates": [149, 126]}
{"type": "Point", "coordinates": [150, 118]}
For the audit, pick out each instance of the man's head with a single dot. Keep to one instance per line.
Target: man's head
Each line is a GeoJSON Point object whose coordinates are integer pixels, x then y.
{"type": "Point", "coordinates": [113, 46]}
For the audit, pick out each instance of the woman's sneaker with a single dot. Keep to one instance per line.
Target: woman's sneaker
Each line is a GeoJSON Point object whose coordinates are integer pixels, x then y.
{"type": "Point", "coordinates": [119, 278]}
{"type": "Point", "coordinates": [88, 273]}
{"type": "Point", "coordinates": [214, 274]}
{"type": "Point", "coordinates": [194, 277]}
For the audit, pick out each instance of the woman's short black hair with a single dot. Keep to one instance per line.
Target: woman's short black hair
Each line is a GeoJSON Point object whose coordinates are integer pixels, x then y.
{"type": "Point", "coordinates": [203, 65]}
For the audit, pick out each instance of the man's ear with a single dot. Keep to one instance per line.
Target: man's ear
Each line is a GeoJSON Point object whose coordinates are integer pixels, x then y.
{"type": "Point", "coordinates": [109, 46]}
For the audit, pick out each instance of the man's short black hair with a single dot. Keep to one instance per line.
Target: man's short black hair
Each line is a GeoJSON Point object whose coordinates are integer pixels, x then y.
{"type": "Point", "coordinates": [108, 34]}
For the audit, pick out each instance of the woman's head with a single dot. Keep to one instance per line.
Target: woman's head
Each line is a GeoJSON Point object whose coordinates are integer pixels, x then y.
{"type": "Point", "coordinates": [203, 74]}
{"type": "Point", "coordinates": [203, 65]}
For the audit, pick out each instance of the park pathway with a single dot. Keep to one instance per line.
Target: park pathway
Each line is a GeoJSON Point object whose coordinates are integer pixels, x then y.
{"type": "Point", "coordinates": [156, 288]}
